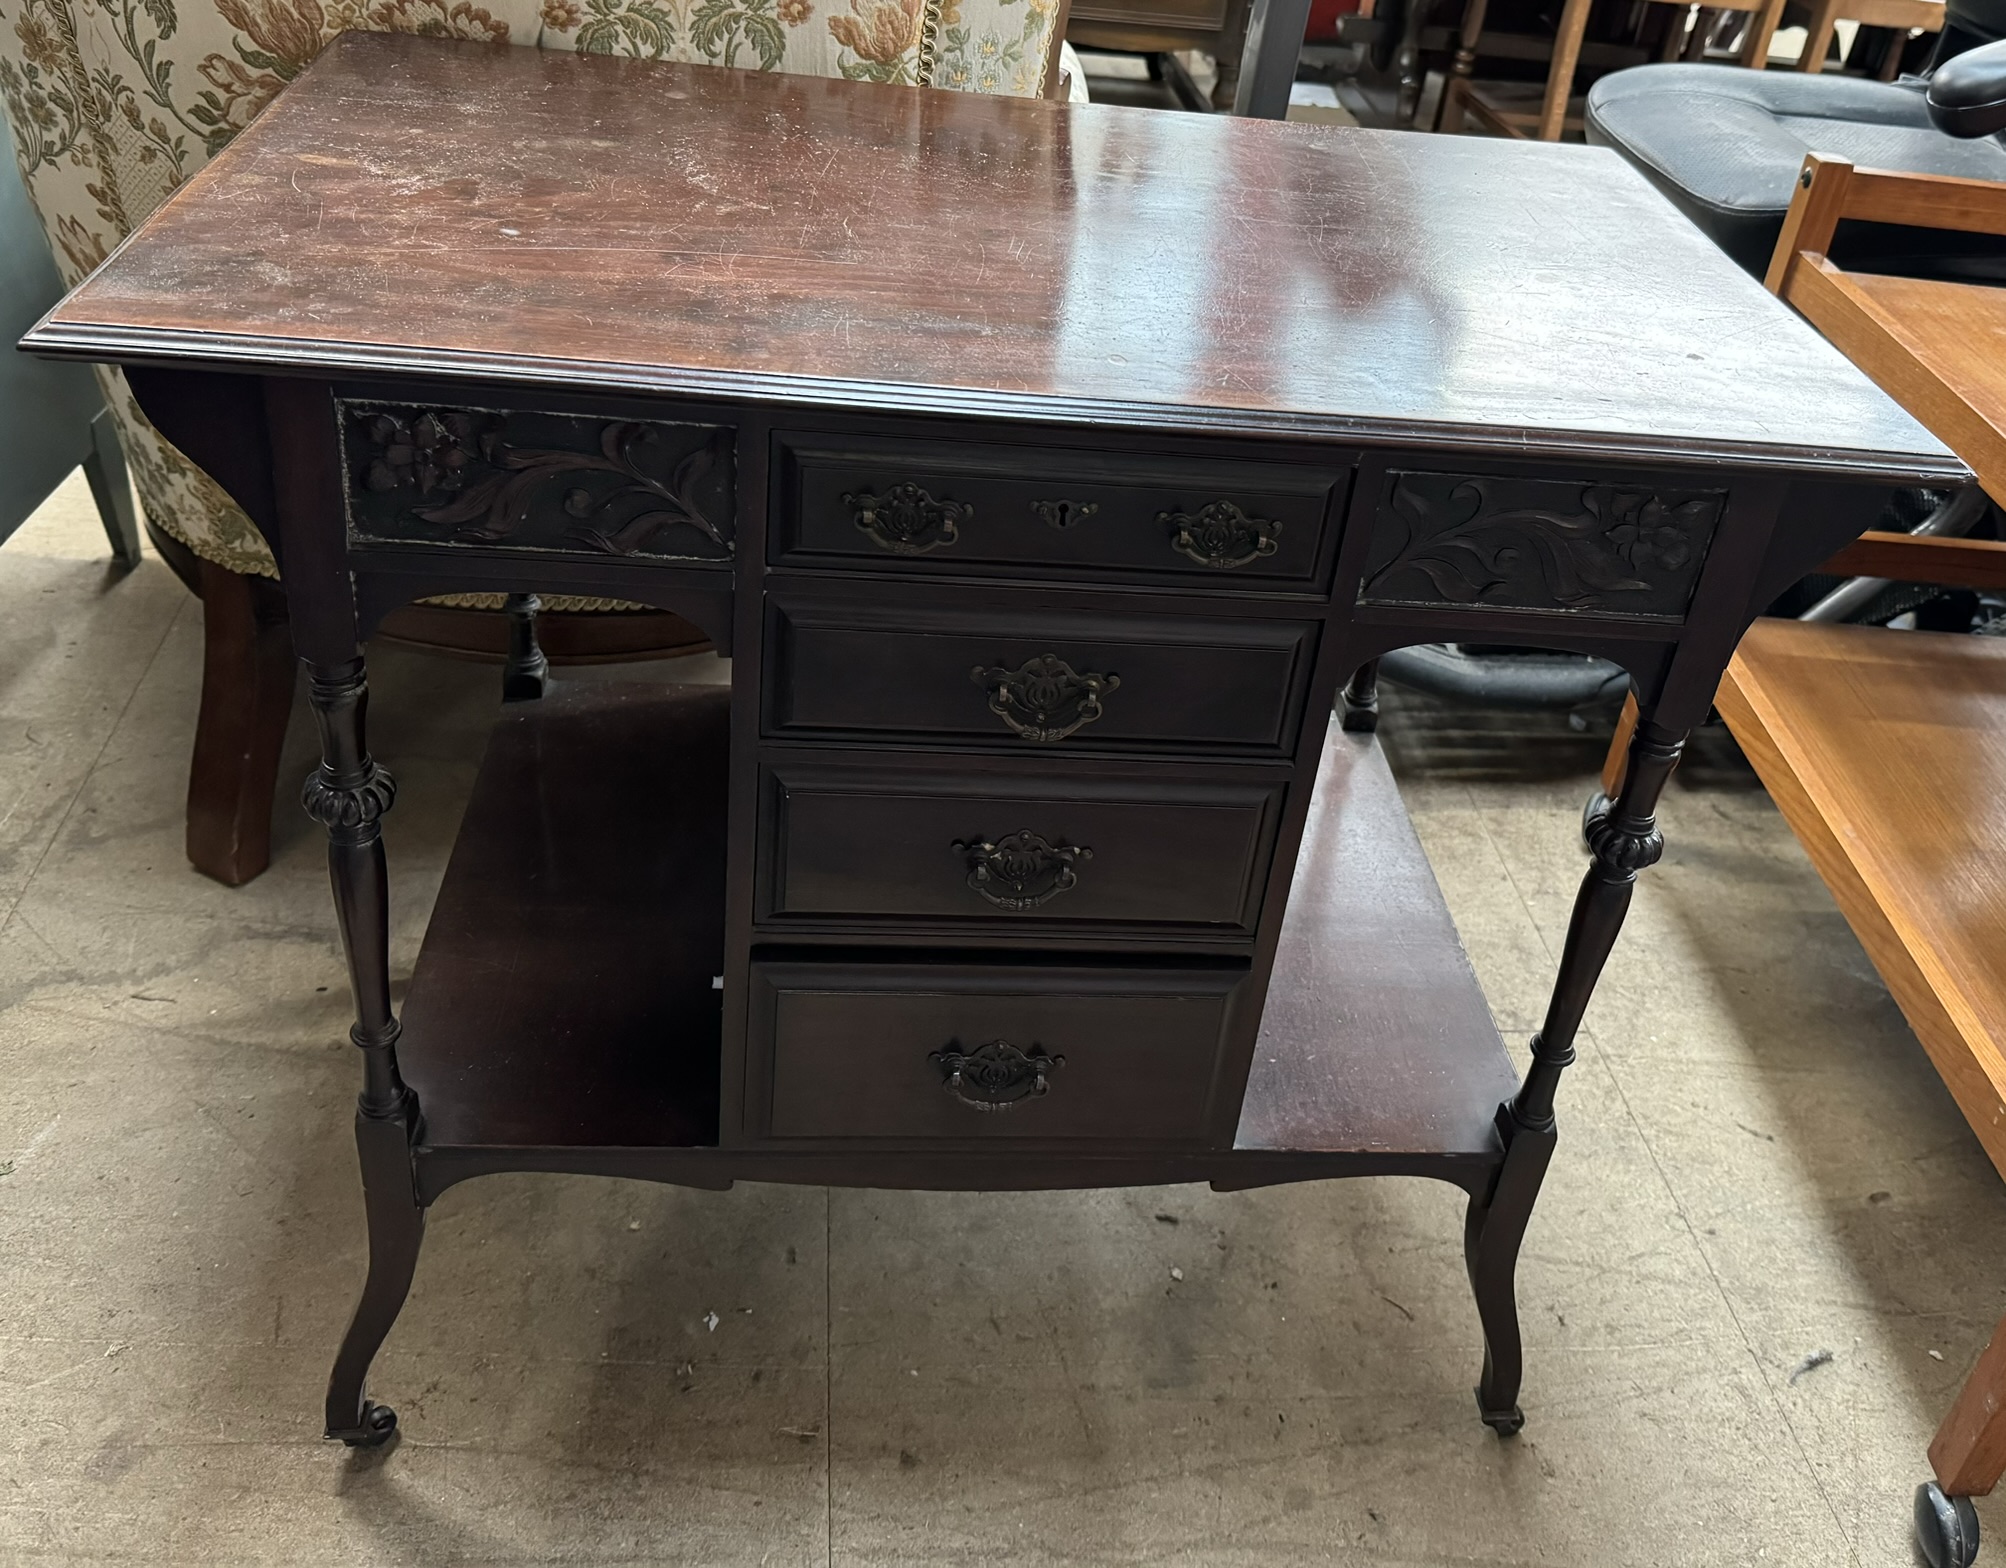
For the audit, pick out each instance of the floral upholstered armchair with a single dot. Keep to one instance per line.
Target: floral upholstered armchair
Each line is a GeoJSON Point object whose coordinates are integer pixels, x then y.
{"type": "Point", "coordinates": [114, 103]}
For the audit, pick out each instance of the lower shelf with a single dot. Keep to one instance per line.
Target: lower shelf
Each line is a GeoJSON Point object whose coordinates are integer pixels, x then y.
{"type": "Point", "coordinates": [563, 996]}
{"type": "Point", "coordinates": [562, 1015]}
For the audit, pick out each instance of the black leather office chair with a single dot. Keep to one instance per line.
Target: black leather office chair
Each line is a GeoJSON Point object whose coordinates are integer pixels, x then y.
{"type": "Point", "coordinates": [1726, 146]}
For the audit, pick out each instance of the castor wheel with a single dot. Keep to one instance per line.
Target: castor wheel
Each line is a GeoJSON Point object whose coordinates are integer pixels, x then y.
{"type": "Point", "coordinates": [379, 1425]}
{"type": "Point", "coordinates": [1506, 1423]}
{"type": "Point", "coordinates": [1946, 1528]}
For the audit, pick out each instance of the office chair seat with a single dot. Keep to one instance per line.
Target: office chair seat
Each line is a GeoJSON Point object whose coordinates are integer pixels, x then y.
{"type": "Point", "coordinates": [1726, 145]}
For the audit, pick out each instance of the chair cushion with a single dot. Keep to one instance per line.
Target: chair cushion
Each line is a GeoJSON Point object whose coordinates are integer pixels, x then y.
{"type": "Point", "coordinates": [1725, 145]}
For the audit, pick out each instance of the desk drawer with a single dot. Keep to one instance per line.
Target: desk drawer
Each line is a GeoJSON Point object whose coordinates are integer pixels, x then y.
{"type": "Point", "coordinates": [925, 1051]}
{"type": "Point", "coordinates": [1010, 674]}
{"type": "Point", "coordinates": [967, 508]}
{"type": "Point", "coordinates": [859, 842]}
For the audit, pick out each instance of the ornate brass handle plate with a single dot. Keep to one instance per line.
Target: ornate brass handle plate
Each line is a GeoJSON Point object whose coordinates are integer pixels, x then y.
{"type": "Point", "coordinates": [1221, 535]}
{"type": "Point", "coordinates": [1021, 870]}
{"type": "Point", "coordinates": [995, 1076]}
{"type": "Point", "coordinates": [1046, 699]}
{"type": "Point", "coordinates": [906, 520]}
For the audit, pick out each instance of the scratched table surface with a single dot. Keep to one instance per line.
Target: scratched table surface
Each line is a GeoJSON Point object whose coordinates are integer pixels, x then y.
{"type": "Point", "coordinates": [418, 205]}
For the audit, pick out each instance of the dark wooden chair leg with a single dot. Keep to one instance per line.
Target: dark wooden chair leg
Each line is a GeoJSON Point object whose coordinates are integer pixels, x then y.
{"type": "Point", "coordinates": [1360, 700]}
{"type": "Point", "coordinates": [248, 676]}
{"type": "Point", "coordinates": [348, 794]}
{"type": "Point", "coordinates": [526, 672]}
{"type": "Point", "coordinates": [111, 489]}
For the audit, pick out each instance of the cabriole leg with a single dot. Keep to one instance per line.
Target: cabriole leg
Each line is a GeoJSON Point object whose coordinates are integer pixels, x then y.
{"type": "Point", "coordinates": [1491, 1235]}
{"type": "Point", "coordinates": [348, 795]}
{"type": "Point", "coordinates": [1623, 838]}
{"type": "Point", "coordinates": [396, 1230]}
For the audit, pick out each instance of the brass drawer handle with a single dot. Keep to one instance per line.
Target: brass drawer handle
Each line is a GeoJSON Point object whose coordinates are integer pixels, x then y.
{"type": "Point", "coordinates": [1046, 699]}
{"type": "Point", "coordinates": [906, 520]}
{"type": "Point", "coordinates": [1021, 870]}
{"type": "Point", "coordinates": [1221, 535]}
{"type": "Point", "coordinates": [1063, 514]}
{"type": "Point", "coordinates": [995, 1076]}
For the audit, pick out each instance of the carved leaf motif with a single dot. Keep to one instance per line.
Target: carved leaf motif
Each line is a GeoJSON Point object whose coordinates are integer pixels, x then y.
{"type": "Point", "coordinates": [1621, 541]}
{"type": "Point", "coordinates": [491, 485]}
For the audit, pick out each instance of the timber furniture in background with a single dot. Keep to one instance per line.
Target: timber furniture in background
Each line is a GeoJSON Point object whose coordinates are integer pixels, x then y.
{"type": "Point", "coordinates": [1021, 852]}
{"type": "Point", "coordinates": [1159, 28]}
{"type": "Point", "coordinates": [1858, 733]}
{"type": "Point", "coordinates": [1510, 111]}
{"type": "Point", "coordinates": [1903, 16]}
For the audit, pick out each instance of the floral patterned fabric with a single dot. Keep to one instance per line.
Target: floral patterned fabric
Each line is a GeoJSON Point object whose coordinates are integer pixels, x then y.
{"type": "Point", "coordinates": [114, 103]}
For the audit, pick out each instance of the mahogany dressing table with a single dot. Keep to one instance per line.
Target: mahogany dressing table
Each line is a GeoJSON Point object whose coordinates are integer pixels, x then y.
{"type": "Point", "coordinates": [1047, 472]}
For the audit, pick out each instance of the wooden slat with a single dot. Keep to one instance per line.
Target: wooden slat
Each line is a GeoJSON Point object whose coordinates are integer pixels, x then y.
{"type": "Point", "coordinates": [1948, 563]}
{"type": "Point", "coordinates": [1886, 752]}
{"type": "Point", "coordinates": [1939, 349]}
{"type": "Point", "coordinates": [1935, 201]}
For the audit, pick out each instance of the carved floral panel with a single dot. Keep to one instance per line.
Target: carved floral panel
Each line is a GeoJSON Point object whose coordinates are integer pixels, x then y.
{"type": "Point", "coordinates": [1632, 551]}
{"type": "Point", "coordinates": [583, 485]}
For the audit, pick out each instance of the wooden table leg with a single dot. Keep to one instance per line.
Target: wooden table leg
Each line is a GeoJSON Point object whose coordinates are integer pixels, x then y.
{"type": "Point", "coordinates": [1624, 839]}
{"type": "Point", "coordinates": [1451, 115]}
{"type": "Point", "coordinates": [348, 795]}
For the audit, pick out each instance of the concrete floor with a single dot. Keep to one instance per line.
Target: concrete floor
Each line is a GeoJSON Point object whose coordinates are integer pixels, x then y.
{"type": "Point", "coordinates": [1757, 1163]}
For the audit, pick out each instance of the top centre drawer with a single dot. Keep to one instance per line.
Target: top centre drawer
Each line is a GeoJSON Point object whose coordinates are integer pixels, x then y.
{"type": "Point", "coordinates": [970, 509]}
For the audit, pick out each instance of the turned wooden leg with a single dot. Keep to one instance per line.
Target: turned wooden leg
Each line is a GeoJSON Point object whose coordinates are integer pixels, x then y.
{"type": "Point", "coordinates": [1623, 838]}
{"type": "Point", "coordinates": [1452, 114]}
{"type": "Point", "coordinates": [348, 795]}
{"type": "Point", "coordinates": [526, 671]}
{"type": "Point", "coordinates": [248, 675]}
{"type": "Point", "coordinates": [1360, 699]}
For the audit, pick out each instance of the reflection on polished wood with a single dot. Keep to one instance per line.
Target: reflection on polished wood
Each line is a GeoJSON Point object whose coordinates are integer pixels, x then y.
{"type": "Point", "coordinates": [426, 206]}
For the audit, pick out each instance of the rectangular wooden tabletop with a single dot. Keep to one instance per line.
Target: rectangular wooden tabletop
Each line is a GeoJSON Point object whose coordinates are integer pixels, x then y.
{"type": "Point", "coordinates": [422, 206]}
